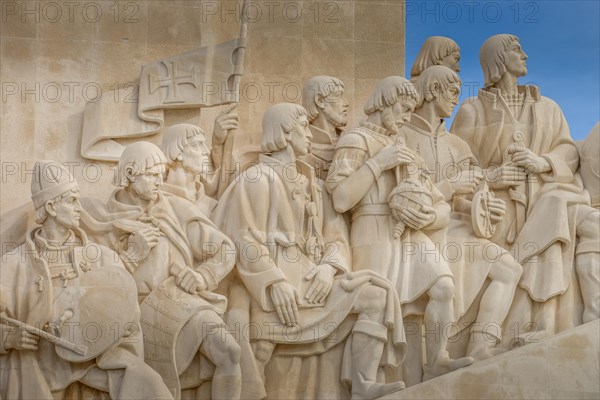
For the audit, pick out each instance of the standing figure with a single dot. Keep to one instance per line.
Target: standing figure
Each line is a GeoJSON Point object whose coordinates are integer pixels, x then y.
{"type": "Point", "coordinates": [324, 100]}
{"type": "Point", "coordinates": [294, 260]}
{"type": "Point", "coordinates": [361, 179]}
{"type": "Point", "coordinates": [177, 257]}
{"type": "Point", "coordinates": [190, 164]}
{"type": "Point", "coordinates": [75, 295]}
{"type": "Point", "coordinates": [522, 141]}
{"type": "Point", "coordinates": [456, 175]}
{"type": "Point", "coordinates": [185, 148]}
{"type": "Point", "coordinates": [436, 50]}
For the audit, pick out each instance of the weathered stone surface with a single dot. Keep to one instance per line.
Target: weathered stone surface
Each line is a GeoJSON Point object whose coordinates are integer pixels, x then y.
{"type": "Point", "coordinates": [561, 367]}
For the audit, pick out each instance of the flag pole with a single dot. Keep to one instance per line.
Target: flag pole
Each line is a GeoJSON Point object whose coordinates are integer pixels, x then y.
{"type": "Point", "coordinates": [229, 169]}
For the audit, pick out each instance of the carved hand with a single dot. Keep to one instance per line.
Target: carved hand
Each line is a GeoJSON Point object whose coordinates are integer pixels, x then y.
{"type": "Point", "coordinates": [506, 176]}
{"type": "Point", "coordinates": [497, 209]}
{"type": "Point", "coordinates": [285, 298]}
{"type": "Point", "coordinates": [225, 121]}
{"type": "Point", "coordinates": [418, 219]}
{"type": "Point", "coordinates": [528, 160]}
{"type": "Point", "coordinates": [190, 281]}
{"type": "Point", "coordinates": [393, 155]}
{"type": "Point", "coordinates": [466, 181]}
{"type": "Point", "coordinates": [322, 282]}
{"type": "Point", "coordinates": [141, 242]}
{"type": "Point", "coordinates": [20, 339]}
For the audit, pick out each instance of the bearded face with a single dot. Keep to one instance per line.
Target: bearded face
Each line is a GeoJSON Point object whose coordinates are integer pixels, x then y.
{"type": "Point", "coordinates": [196, 156]}
{"type": "Point", "coordinates": [335, 109]}
{"type": "Point", "coordinates": [394, 117]}
{"type": "Point", "coordinates": [389, 121]}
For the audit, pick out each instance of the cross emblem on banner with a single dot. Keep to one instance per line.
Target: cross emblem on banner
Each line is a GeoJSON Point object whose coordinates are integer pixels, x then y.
{"type": "Point", "coordinates": [172, 82]}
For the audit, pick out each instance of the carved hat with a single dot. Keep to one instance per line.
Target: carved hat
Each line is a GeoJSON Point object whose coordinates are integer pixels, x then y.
{"type": "Point", "coordinates": [50, 180]}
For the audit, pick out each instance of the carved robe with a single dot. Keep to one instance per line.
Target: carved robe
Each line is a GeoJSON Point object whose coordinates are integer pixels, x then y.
{"type": "Point", "coordinates": [413, 264]}
{"type": "Point", "coordinates": [208, 242]}
{"type": "Point", "coordinates": [166, 308]}
{"type": "Point", "coordinates": [33, 291]}
{"type": "Point", "coordinates": [321, 151]}
{"type": "Point", "coordinates": [284, 225]}
{"type": "Point", "coordinates": [545, 244]}
{"type": "Point", "coordinates": [470, 257]}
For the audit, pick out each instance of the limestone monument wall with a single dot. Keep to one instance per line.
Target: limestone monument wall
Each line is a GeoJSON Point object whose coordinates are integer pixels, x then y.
{"type": "Point", "coordinates": [57, 55]}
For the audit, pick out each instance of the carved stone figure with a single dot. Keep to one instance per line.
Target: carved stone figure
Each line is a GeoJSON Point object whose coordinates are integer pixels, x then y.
{"type": "Point", "coordinates": [361, 180]}
{"type": "Point", "coordinates": [185, 148]}
{"type": "Point", "coordinates": [189, 161]}
{"type": "Point", "coordinates": [61, 282]}
{"type": "Point", "coordinates": [456, 176]}
{"type": "Point", "coordinates": [589, 153]}
{"type": "Point", "coordinates": [436, 50]}
{"type": "Point", "coordinates": [177, 257]}
{"type": "Point", "coordinates": [324, 100]}
{"type": "Point", "coordinates": [294, 261]}
{"type": "Point", "coordinates": [208, 167]}
{"type": "Point", "coordinates": [522, 141]}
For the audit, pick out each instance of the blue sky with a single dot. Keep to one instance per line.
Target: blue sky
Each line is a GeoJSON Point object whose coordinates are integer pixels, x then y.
{"type": "Point", "coordinates": [561, 38]}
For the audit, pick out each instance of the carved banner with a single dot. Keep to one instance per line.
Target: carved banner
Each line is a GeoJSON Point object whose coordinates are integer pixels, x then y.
{"type": "Point", "coordinates": [204, 77]}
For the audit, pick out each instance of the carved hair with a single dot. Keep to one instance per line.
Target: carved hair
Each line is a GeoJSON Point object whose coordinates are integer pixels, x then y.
{"type": "Point", "coordinates": [492, 57]}
{"type": "Point", "coordinates": [321, 86]}
{"type": "Point", "coordinates": [426, 82]}
{"type": "Point", "coordinates": [433, 52]}
{"type": "Point", "coordinates": [41, 214]}
{"type": "Point", "coordinates": [137, 158]}
{"type": "Point", "coordinates": [278, 120]}
{"type": "Point", "coordinates": [176, 138]}
{"type": "Point", "coordinates": [387, 91]}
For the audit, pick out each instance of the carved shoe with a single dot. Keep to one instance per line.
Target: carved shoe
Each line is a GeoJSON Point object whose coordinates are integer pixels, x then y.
{"type": "Point", "coordinates": [445, 365]}
{"type": "Point", "coordinates": [480, 352]}
{"type": "Point", "coordinates": [368, 390]}
{"type": "Point", "coordinates": [483, 346]}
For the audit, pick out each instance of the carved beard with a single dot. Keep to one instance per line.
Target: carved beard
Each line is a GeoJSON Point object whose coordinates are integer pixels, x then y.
{"type": "Point", "coordinates": [198, 166]}
{"type": "Point", "coordinates": [388, 120]}
{"type": "Point", "coordinates": [338, 120]}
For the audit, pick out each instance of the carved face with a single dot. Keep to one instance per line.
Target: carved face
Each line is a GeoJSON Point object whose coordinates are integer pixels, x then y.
{"type": "Point", "coordinates": [515, 60]}
{"type": "Point", "coordinates": [451, 61]}
{"type": "Point", "coordinates": [299, 137]}
{"type": "Point", "coordinates": [147, 185]}
{"type": "Point", "coordinates": [196, 155]}
{"type": "Point", "coordinates": [68, 211]}
{"type": "Point", "coordinates": [396, 116]}
{"type": "Point", "coordinates": [447, 99]}
{"type": "Point", "coordinates": [335, 109]}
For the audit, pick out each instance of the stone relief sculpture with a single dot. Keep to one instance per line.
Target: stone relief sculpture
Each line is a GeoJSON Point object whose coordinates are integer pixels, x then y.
{"type": "Point", "coordinates": [63, 283]}
{"type": "Point", "coordinates": [294, 261]}
{"type": "Point", "coordinates": [522, 141]}
{"type": "Point", "coordinates": [324, 100]}
{"type": "Point", "coordinates": [177, 257]}
{"type": "Point", "coordinates": [436, 50]}
{"type": "Point", "coordinates": [195, 170]}
{"type": "Point", "coordinates": [589, 153]}
{"type": "Point", "coordinates": [185, 148]}
{"type": "Point", "coordinates": [361, 181]}
{"type": "Point", "coordinates": [325, 255]}
{"type": "Point", "coordinates": [455, 174]}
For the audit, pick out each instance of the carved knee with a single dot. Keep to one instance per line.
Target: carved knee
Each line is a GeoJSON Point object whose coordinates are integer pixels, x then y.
{"type": "Point", "coordinates": [442, 289]}
{"type": "Point", "coordinates": [262, 351]}
{"type": "Point", "coordinates": [507, 270]}
{"type": "Point", "coordinates": [587, 228]}
{"type": "Point", "coordinates": [372, 299]}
